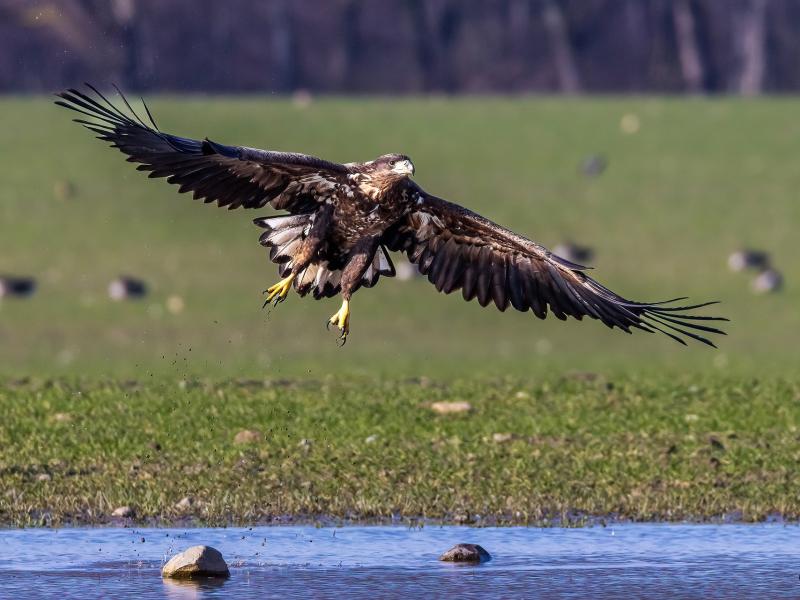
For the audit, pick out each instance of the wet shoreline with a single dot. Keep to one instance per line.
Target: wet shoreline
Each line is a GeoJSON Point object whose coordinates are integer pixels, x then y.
{"type": "Point", "coordinates": [571, 521]}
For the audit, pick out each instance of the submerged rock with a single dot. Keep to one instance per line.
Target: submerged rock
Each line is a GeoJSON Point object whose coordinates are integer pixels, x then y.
{"type": "Point", "coordinates": [472, 553]}
{"type": "Point", "coordinates": [197, 561]}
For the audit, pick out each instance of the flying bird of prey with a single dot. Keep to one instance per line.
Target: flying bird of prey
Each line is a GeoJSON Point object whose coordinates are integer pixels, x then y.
{"type": "Point", "coordinates": [342, 220]}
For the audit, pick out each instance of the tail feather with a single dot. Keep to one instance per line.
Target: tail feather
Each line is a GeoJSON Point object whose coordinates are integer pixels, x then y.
{"type": "Point", "coordinates": [283, 236]}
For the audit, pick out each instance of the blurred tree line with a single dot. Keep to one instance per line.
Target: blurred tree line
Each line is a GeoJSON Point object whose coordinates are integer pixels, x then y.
{"type": "Point", "coordinates": [403, 46]}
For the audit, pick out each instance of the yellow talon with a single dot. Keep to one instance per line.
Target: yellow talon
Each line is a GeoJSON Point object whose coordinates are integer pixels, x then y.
{"type": "Point", "coordinates": [342, 320]}
{"type": "Point", "coordinates": [280, 290]}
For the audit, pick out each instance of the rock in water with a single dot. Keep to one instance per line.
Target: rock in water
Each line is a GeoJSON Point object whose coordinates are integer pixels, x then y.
{"type": "Point", "coordinates": [197, 561]}
{"type": "Point", "coordinates": [472, 553]}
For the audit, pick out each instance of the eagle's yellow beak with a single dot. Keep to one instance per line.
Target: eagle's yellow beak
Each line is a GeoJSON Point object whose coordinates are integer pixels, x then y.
{"type": "Point", "coordinates": [404, 167]}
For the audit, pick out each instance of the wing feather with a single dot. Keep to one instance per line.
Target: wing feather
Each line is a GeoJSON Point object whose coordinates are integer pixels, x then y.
{"type": "Point", "coordinates": [484, 268]}
{"type": "Point", "coordinates": [470, 284]}
{"type": "Point", "coordinates": [459, 249]}
{"type": "Point", "coordinates": [516, 286]}
{"type": "Point", "coordinates": [231, 176]}
{"type": "Point", "coordinates": [498, 269]}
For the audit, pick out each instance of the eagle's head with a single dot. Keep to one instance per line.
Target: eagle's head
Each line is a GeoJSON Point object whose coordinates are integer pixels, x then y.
{"type": "Point", "coordinates": [392, 166]}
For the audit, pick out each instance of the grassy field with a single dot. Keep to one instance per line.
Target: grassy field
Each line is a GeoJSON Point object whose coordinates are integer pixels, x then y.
{"type": "Point", "coordinates": [698, 179]}
{"type": "Point", "coordinates": [373, 449]}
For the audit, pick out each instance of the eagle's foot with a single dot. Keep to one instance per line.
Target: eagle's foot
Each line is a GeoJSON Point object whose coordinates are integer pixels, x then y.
{"type": "Point", "coordinates": [278, 292]}
{"type": "Point", "coordinates": [342, 320]}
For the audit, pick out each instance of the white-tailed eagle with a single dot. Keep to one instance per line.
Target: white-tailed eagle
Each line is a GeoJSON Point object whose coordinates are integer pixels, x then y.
{"type": "Point", "coordinates": [342, 220]}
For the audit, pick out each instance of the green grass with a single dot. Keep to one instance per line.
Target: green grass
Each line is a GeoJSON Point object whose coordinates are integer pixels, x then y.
{"type": "Point", "coordinates": [698, 180]}
{"type": "Point", "coordinates": [665, 449]}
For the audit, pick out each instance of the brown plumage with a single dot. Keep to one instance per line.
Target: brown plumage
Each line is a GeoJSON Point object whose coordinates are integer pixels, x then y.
{"type": "Point", "coordinates": [344, 218]}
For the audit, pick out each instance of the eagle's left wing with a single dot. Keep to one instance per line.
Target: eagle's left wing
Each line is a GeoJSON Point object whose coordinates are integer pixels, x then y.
{"type": "Point", "coordinates": [232, 176]}
{"type": "Point", "coordinates": [459, 249]}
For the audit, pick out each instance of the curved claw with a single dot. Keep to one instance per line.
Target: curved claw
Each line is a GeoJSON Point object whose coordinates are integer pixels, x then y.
{"type": "Point", "coordinates": [277, 293]}
{"type": "Point", "coordinates": [342, 321]}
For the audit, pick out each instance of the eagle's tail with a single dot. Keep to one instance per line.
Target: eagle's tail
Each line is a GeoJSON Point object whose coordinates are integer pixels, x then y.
{"type": "Point", "coordinates": [284, 235]}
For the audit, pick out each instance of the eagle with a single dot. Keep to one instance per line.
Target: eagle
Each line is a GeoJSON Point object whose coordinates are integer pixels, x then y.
{"type": "Point", "coordinates": [339, 223]}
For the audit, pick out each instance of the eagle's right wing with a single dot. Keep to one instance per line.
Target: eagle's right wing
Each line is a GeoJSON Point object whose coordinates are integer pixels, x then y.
{"type": "Point", "coordinates": [460, 250]}
{"type": "Point", "coordinates": [232, 176]}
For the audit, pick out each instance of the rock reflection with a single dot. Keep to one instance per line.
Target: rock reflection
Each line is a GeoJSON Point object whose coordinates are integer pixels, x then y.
{"type": "Point", "coordinates": [189, 589]}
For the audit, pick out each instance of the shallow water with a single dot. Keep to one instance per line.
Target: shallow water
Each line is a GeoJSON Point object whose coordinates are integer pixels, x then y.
{"type": "Point", "coordinates": [654, 561]}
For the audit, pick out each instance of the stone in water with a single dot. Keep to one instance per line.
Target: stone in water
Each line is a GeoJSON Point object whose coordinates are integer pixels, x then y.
{"type": "Point", "coordinates": [472, 553]}
{"type": "Point", "coordinates": [197, 561]}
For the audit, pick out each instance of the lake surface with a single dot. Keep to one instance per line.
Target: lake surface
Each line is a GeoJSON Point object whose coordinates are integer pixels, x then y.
{"type": "Point", "coordinates": [621, 561]}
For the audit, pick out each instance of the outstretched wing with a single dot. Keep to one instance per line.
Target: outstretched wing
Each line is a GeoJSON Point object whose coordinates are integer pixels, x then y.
{"type": "Point", "coordinates": [459, 249]}
{"type": "Point", "coordinates": [232, 176]}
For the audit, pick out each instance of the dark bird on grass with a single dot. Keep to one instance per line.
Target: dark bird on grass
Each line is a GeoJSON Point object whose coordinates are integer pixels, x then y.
{"type": "Point", "coordinates": [343, 220]}
{"type": "Point", "coordinates": [16, 287]}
